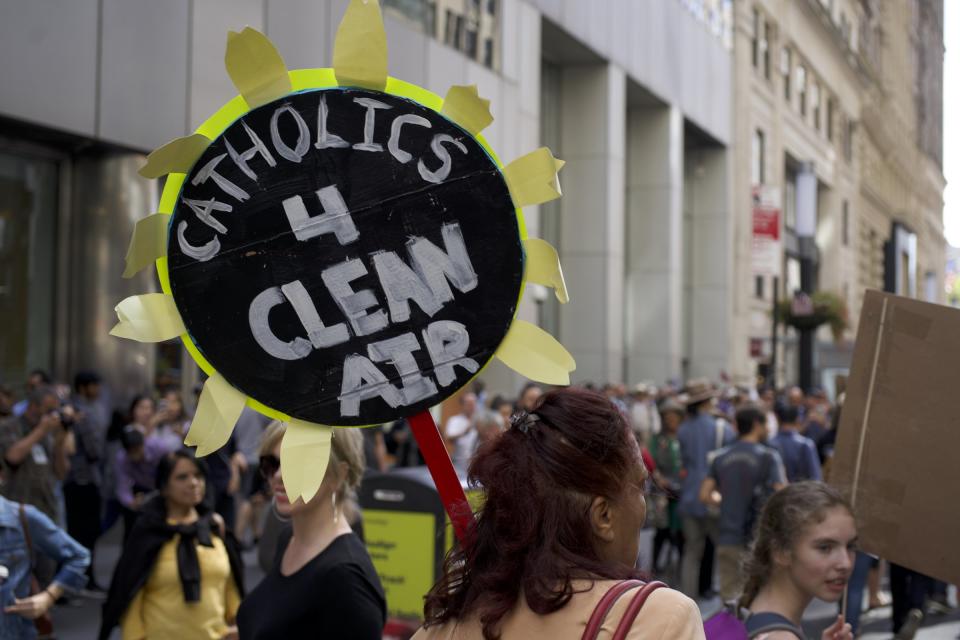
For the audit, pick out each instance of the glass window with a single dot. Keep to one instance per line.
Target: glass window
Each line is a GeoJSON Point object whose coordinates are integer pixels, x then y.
{"type": "Point", "coordinates": [845, 224]}
{"type": "Point", "coordinates": [848, 140]}
{"type": "Point", "coordinates": [830, 110]}
{"type": "Point", "coordinates": [815, 102]}
{"type": "Point", "coordinates": [755, 44]}
{"type": "Point", "coordinates": [470, 26]}
{"type": "Point", "coordinates": [785, 71]}
{"type": "Point", "coordinates": [28, 218]}
{"type": "Point", "coordinates": [765, 48]}
{"type": "Point", "coordinates": [758, 159]}
{"type": "Point", "coordinates": [758, 291]}
{"type": "Point", "coordinates": [802, 88]}
{"type": "Point", "coordinates": [790, 200]}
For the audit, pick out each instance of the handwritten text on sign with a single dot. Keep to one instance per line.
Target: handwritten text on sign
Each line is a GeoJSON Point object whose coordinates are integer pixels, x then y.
{"type": "Point", "coordinates": [345, 256]}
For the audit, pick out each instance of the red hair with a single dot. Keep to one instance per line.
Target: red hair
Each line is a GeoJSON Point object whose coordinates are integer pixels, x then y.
{"type": "Point", "coordinates": [533, 534]}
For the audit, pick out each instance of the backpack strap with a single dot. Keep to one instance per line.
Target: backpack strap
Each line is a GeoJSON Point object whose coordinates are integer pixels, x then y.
{"type": "Point", "coordinates": [603, 607]}
{"type": "Point", "coordinates": [626, 622]}
{"type": "Point", "coordinates": [25, 525]}
{"type": "Point", "coordinates": [765, 622]}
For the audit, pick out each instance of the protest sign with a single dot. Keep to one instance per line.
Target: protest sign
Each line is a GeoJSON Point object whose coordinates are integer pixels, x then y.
{"type": "Point", "coordinates": [345, 256]}
{"type": "Point", "coordinates": [337, 248]}
{"type": "Point", "coordinates": [897, 446]}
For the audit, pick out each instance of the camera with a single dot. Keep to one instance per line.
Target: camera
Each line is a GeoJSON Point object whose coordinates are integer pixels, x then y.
{"type": "Point", "coordinates": [67, 415]}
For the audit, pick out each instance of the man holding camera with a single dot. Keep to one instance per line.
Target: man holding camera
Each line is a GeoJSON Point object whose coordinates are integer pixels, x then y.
{"type": "Point", "coordinates": [35, 450]}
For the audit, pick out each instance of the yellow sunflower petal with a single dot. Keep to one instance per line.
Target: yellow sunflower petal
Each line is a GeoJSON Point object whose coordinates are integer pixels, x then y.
{"type": "Point", "coordinates": [360, 48]}
{"type": "Point", "coordinates": [217, 413]}
{"type": "Point", "coordinates": [533, 178]}
{"type": "Point", "coordinates": [464, 106]}
{"type": "Point", "coordinates": [534, 353]}
{"type": "Point", "coordinates": [304, 456]}
{"type": "Point", "coordinates": [177, 156]}
{"type": "Point", "coordinates": [151, 317]}
{"type": "Point", "coordinates": [149, 242]}
{"type": "Point", "coordinates": [256, 67]}
{"type": "Point", "coordinates": [543, 267]}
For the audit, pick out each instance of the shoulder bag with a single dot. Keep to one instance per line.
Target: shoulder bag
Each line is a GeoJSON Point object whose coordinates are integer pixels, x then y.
{"type": "Point", "coordinates": [610, 598]}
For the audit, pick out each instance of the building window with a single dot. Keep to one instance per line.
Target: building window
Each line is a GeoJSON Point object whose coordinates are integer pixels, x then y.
{"type": "Point", "coordinates": [830, 110]}
{"type": "Point", "coordinates": [815, 102]}
{"type": "Point", "coordinates": [470, 26]}
{"type": "Point", "coordinates": [785, 71]}
{"type": "Point", "coordinates": [845, 224]}
{"type": "Point", "coordinates": [28, 256]}
{"type": "Point", "coordinates": [755, 44]}
{"type": "Point", "coordinates": [790, 199]}
{"type": "Point", "coordinates": [758, 158]}
{"type": "Point", "coordinates": [802, 88]}
{"type": "Point", "coordinates": [760, 45]}
{"type": "Point", "coordinates": [848, 140]}
{"type": "Point", "coordinates": [758, 291]}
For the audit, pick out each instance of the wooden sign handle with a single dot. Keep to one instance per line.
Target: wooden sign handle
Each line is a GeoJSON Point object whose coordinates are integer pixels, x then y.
{"type": "Point", "coordinates": [444, 476]}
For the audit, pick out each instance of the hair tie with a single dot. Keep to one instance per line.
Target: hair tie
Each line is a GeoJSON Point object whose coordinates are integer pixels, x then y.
{"type": "Point", "coordinates": [523, 421]}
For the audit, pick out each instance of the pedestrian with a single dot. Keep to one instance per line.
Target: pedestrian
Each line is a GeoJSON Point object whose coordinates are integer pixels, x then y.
{"type": "Point", "coordinates": [529, 396]}
{"type": "Point", "coordinates": [804, 549]}
{"type": "Point", "coordinates": [136, 472]}
{"type": "Point", "coordinates": [25, 533]}
{"type": "Point", "coordinates": [643, 412]}
{"type": "Point", "coordinates": [799, 454]}
{"type": "Point", "coordinates": [182, 578]}
{"type": "Point", "coordinates": [37, 378]}
{"type": "Point", "coordinates": [557, 534]}
{"type": "Point", "coordinates": [665, 449]}
{"type": "Point", "coordinates": [6, 402]}
{"type": "Point", "coordinates": [489, 426]}
{"type": "Point", "coordinates": [700, 434]}
{"type": "Point", "coordinates": [82, 487]}
{"type": "Point", "coordinates": [460, 433]}
{"type": "Point", "coordinates": [35, 451]}
{"type": "Point", "coordinates": [502, 407]}
{"type": "Point", "coordinates": [741, 478]}
{"type": "Point", "coordinates": [324, 585]}
{"type": "Point", "coordinates": [909, 590]}
{"type": "Point", "coordinates": [249, 498]}
{"type": "Point", "coordinates": [172, 420]}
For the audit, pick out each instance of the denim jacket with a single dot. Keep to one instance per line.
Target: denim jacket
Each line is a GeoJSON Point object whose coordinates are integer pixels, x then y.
{"type": "Point", "coordinates": [49, 540]}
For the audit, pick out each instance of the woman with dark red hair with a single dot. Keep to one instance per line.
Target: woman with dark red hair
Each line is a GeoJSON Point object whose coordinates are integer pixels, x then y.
{"type": "Point", "coordinates": [554, 550]}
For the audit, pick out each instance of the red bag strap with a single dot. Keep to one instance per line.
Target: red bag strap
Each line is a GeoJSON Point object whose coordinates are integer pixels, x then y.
{"type": "Point", "coordinates": [634, 608]}
{"type": "Point", "coordinates": [603, 607]}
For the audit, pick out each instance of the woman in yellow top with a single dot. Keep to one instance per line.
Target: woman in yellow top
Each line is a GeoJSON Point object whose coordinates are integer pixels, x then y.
{"type": "Point", "coordinates": [554, 551]}
{"type": "Point", "coordinates": [179, 577]}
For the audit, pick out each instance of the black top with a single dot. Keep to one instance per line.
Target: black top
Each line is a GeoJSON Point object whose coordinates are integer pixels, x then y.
{"type": "Point", "coordinates": [336, 595]}
{"type": "Point", "coordinates": [767, 621]}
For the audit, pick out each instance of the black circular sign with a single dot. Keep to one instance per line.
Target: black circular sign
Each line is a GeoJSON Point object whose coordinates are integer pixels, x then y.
{"type": "Point", "coordinates": [346, 257]}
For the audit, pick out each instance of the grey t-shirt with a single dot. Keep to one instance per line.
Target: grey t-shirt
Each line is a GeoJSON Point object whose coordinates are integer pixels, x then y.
{"type": "Point", "coordinates": [745, 473]}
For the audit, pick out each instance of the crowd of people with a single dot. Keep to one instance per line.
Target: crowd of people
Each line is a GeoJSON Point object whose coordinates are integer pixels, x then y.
{"type": "Point", "coordinates": [727, 478]}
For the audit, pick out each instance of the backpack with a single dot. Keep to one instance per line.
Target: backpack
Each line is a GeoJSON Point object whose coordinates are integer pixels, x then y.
{"type": "Point", "coordinates": [733, 623]}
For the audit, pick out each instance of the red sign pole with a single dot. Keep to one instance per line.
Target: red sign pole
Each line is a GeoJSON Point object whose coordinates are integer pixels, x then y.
{"type": "Point", "coordinates": [444, 476]}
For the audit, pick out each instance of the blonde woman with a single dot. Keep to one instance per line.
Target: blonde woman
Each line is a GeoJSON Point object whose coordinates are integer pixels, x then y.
{"type": "Point", "coordinates": [325, 585]}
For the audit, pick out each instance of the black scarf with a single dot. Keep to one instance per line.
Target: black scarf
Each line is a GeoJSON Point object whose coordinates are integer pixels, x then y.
{"type": "Point", "coordinates": [140, 552]}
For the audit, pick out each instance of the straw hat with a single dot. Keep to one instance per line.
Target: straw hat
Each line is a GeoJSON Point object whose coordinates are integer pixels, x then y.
{"type": "Point", "coordinates": [698, 390]}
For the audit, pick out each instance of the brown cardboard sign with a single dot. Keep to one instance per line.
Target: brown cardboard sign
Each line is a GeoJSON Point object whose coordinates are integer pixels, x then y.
{"type": "Point", "coordinates": [898, 450]}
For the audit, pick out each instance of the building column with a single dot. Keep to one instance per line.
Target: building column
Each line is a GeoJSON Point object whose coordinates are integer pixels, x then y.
{"type": "Point", "coordinates": [708, 307]}
{"type": "Point", "coordinates": [654, 274]}
{"type": "Point", "coordinates": [593, 132]}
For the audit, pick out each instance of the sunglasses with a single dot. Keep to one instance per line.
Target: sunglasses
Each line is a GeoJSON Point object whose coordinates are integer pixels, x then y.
{"type": "Point", "coordinates": [269, 465]}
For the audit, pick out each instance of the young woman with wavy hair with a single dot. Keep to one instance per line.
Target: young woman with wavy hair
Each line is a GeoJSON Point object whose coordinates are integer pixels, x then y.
{"type": "Point", "coordinates": [559, 531]}
{"type": "Point", "coordinates": [804, 549]}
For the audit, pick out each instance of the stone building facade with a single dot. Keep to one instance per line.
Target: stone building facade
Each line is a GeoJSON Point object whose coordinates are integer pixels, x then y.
{"type": "Point", "coordinates": [819, 91]}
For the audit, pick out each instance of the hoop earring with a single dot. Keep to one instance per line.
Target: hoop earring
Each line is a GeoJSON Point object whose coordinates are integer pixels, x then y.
{"type": "Point", "coordinates": [276, 513]}
{"type": "Point", "coordinates": [336, 514]}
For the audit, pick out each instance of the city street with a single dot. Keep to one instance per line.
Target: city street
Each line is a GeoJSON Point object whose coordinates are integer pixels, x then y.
{"type": "Point", "coordinates": [79, 620]}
